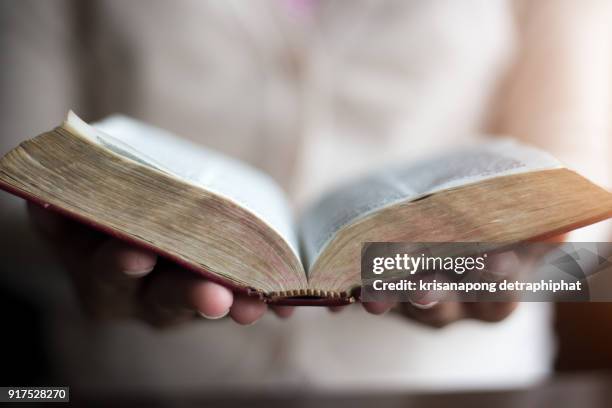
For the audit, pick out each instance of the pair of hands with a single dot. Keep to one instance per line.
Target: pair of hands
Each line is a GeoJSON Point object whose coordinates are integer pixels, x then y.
{"type": "Point", "coordinates": [114, 280]}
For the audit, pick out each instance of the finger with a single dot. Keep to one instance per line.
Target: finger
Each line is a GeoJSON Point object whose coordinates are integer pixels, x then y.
{"type": "Point", "coordinates": [72, 241]}
{"type": "Point", "coordinates": [116, 261]}
{"type": "Point", "coordinates": [283, 311]}
{"type": "Point", "coordinates": [108, 281]}
{"type": "Point", "coordinates": [377, 308]}
{"type": "Point", "coordinates": [247, 310]}
{"type": "Point", "coordinates": [174, 294]}
{"type": "Point", "coordinates": [54, 226]}
{"type": "Point", "coordinates": [211, 300]}
{"type": "Point", "coordinates": [489, 311]}
{"type": "Point", "coordinates": [502, 265]}
{"type": "Point", "coordinates": [337, 309]}
{"type": "Point", "coordinates": [48, 223]}
{"type": "Point", "coordinates": [438, 316]}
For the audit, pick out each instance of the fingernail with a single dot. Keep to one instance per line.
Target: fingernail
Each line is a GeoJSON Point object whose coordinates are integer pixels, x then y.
{"type": "Point", "coordinates": [249, 324]}
{"type": "Point", "coordinates": [138, 273]}
{"type": "Point", "coordinates": [213, 317]}
{"type": "Point", "coordinates": [423, 306]}
{"type": "Point", "coordinates": [385, 311]}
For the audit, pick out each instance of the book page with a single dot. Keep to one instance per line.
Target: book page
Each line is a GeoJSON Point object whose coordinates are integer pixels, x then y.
{"type": "Point", "coordinates": [249, 188]}
{"type": "Point", "coordinates": [410, 182]}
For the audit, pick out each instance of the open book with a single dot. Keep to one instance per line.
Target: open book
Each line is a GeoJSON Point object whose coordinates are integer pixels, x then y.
{"type": "Point", "coordinates": [232, 223]}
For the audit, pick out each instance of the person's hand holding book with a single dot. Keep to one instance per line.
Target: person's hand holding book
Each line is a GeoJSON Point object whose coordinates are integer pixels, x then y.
{"type": "Point", "coordinates": [114, 280]}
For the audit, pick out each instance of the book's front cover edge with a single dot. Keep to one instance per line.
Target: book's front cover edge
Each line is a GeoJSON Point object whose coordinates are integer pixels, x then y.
{"type": "Point", "coordinates": [9, 188]}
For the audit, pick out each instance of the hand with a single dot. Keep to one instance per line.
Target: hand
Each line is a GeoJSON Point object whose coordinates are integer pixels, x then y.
{"type": "Point", "coordinates": [442, 314]}
{"type": "Point", "coordinates": [115, 280]}
{"type": "Point", "coordinates": [436, 314]}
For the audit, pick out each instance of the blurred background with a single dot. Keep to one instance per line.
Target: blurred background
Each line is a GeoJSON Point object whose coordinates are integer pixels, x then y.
{"type": "Point", "coordinates": [312, 92]}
